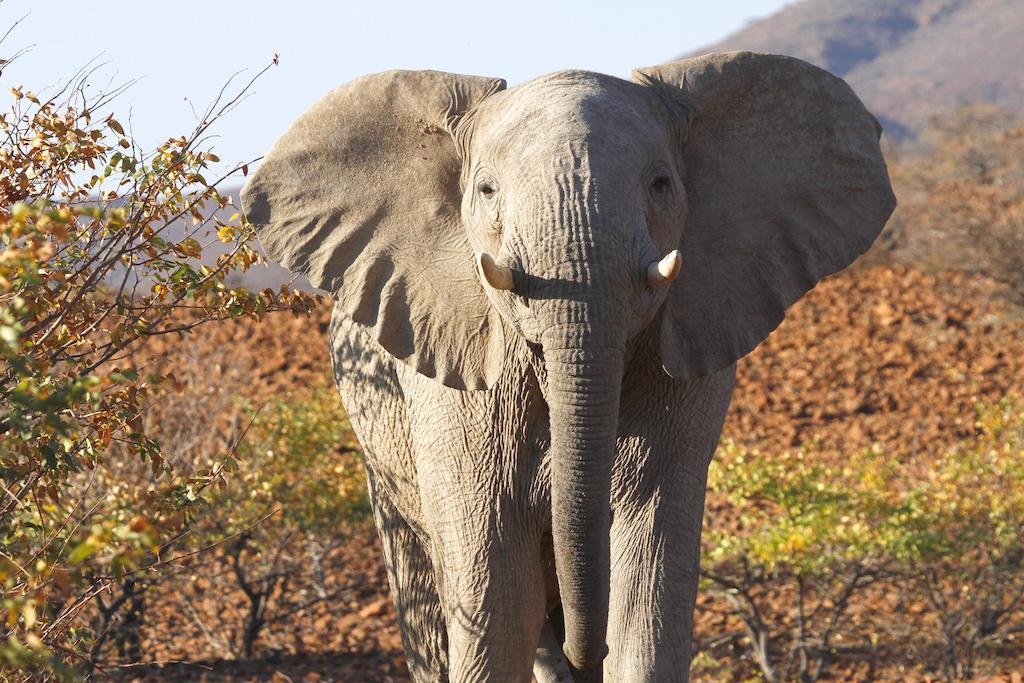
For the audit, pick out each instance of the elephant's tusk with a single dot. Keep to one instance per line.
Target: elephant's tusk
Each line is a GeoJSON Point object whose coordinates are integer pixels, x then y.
{"type": "Point", "coordinates": [499, 277]}
{"type": "Point", "coordinates": [662, 273]}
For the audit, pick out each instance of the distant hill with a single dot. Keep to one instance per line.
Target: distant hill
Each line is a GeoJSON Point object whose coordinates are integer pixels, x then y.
{"type": "Point", "coordinates": [907, 59]}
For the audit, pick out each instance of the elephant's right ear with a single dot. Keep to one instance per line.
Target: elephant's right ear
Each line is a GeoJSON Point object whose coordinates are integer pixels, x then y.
{"type": "Point", "coordinates": [362, 195]}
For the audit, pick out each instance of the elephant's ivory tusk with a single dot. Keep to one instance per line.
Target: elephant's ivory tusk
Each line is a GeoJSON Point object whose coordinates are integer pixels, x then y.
{"type": "Point", "coordinates": [499, 277]}
{"type": "Point", "coordinates": [662, 273]}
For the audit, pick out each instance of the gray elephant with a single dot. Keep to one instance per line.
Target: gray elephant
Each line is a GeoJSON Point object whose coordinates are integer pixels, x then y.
{"type": "Point", "coordinates": [541, 294]}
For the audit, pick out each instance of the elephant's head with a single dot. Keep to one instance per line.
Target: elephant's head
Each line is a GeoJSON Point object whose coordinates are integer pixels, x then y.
{"type": "Point", "coordinates": [445, 212]}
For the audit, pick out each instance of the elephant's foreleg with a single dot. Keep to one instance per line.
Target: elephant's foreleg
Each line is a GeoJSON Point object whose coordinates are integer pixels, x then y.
{"type": "Point", "coordinates": [668, 433]}
{"type": "Point", "coordinates": [655, 571]}
{"type": "Point", "coordinates": [474, 474]}
{"type": "Point", "coordinates": [488, 568]}
{"type": "Point", "coordinates": [492, 590]}
{"type": "Point", "coordinates": [411, 576]}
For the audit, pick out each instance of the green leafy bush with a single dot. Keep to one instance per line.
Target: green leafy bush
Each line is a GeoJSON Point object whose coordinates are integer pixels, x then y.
{"type": "Point", "coordinates": [803, 540]}
{"type": "Point", "coordinates": [799, 533]}
{"type": "Point", "coordinates": [961, 550]}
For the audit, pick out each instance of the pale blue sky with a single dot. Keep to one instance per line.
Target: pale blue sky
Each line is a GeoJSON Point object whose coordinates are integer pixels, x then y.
{"type": "Point", "coordinates": [188, 48]}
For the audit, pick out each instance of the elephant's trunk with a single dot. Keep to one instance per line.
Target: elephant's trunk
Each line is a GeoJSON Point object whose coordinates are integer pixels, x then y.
{"type": "Point", "coordinates": [584, 381]}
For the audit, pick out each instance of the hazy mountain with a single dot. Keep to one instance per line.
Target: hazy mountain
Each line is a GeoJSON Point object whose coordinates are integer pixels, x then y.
{"type": "Point", "coordinates": [907, 59]}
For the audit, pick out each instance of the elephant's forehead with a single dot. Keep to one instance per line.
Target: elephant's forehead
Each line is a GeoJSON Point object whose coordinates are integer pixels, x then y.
{"type": "Point", "coordinates": [570, 106]}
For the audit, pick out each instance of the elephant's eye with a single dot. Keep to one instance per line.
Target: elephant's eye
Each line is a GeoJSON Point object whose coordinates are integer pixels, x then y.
{"type": "Point", "coordinates": [486, 189]}
{"type": "Point", "coordinates": [661, 184]}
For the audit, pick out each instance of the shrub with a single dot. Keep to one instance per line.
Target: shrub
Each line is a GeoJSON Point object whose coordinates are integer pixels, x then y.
{"type": "Point", "coordinates": [961, 546]}
{"type": "Point", "coordinates": [299, 490]}
{"type": "Point", "coordinates": [101, 248]}
{"type": "Point", "coordinates": [799, 533]}
{"type": "Point", "coordinates": [802, 539]}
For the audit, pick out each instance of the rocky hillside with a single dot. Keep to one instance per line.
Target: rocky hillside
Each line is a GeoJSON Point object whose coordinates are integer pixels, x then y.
{"type": "Point", "coordinates": [907, 59]}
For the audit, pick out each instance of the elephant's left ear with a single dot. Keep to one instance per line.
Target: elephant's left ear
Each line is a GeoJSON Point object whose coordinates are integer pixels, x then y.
{"type": "Point", "coordinates": [362, 196]}
{"type": "Point", "coordinates": [786, 184]}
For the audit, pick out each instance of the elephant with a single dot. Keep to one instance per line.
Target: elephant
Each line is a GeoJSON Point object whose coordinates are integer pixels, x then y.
{"type": "Point", "coordinates": [541, 293]}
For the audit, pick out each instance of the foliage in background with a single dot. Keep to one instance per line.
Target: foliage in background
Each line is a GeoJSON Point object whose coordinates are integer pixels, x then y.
{"type": "Point", "coordinates": [962, 550]}
{"type": "Point", "coordinates": [101, 249]}
{"type": "Point", "coordinates": [961, 197]}
{"type": "Point", "coordinates": [803, 532]}
{"type": "Point", "coordinates": [806, 542]}
{"type": "Point", "coordinates": [303, 474]}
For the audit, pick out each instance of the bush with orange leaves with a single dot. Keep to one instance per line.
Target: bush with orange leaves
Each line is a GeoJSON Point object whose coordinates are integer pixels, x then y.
{"type": "Point", "coordinates": [101, 249]}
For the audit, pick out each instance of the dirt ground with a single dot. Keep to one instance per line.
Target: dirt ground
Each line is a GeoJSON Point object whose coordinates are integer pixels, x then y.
{"type": "Point", "coordinates": [889, 356]}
